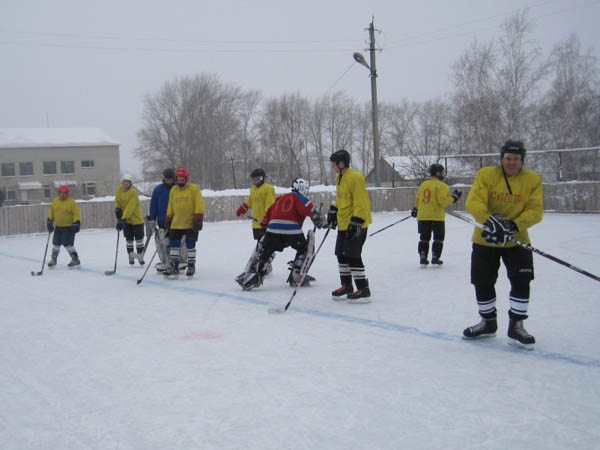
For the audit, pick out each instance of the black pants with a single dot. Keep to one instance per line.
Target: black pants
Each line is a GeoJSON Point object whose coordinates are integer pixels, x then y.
{"type": "Point", "coordinates": [426, 229]}
{"type": "Point", "coordinates": [485, 264]}
{"type": "Point", "coordinates": [349, 256]}
{"type": "Point", "coordinates": [63, 236]}
{"type": "Point", "coordinates": [275, 242]}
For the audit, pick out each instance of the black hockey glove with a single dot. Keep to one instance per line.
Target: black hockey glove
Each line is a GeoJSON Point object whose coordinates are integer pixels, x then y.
{"type": "Point", "coordinates": [118, 213]}
{"type": "Point", "coordinates": [76, 226]}
{"type": "Point", "coordinates": [332, 217]}
{"type": "Point", "coordinates": [456, 194]}
{"type": "Point", "coordinates": [50, 225]}
{"type": "Point", "coordinates": [354, 228]}
{"type": "Point", "coordinates": [319, 221]}
{"type": "Point", "coordinates": [121, 224]}
{"type": "Point", "coordinates": [499, 230]}
{"type": "Point", "coordinates": [414, 212]}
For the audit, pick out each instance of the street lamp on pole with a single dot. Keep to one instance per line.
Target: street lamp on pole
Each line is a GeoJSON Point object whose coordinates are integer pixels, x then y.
{"type": "Point", "coordinates": [359, 58]}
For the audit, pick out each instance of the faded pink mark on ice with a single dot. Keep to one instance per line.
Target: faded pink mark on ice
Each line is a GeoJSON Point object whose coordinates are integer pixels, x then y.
{"type": "Point", "coordinates": [202, 335]}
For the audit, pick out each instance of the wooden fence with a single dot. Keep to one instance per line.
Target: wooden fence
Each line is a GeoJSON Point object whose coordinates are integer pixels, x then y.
{"type": "Point", "coordinates": [559, 197]}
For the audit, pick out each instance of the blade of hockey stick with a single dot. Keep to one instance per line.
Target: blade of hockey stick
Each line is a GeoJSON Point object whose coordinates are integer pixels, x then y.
{"type": "Point", "coordinates": [112, 272]}
{"type": "Point", "coordinates": [41, 272]}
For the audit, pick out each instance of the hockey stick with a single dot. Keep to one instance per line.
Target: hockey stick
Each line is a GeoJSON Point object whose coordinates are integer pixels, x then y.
{"type": "Point", "coordinates": [112, 272]}
{"type": "Point", "coordinates": [285, 308]}
{"type": "Point", "coordinates": [44, 260]}
{"type": "Point", "coordinates": [530, 248]}
{"type": "Point", "coordinates": [148, 266]}
{"type": "Point", "coordinates": [391, 225]}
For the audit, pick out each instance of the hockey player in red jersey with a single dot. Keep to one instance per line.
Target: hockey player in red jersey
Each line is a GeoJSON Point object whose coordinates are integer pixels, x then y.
{"type": "Point", "coordinates": [283, 222]}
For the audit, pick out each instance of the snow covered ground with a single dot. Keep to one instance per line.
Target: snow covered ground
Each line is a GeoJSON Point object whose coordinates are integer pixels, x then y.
{"type": "Point", "coordinates": [89, 361]}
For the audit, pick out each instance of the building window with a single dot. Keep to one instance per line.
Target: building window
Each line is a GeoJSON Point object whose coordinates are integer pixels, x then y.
{"type": "Point", "coordinates": [8, 169]}
{"type": "Point", "coordinates": [87, 164]}
{"type": "Point", "coordinates": [89, 189]}
{"type": "Point", "coordinates": [47, 191]}
{"type": "Point", "coordinates": [25, 169]}
{"type": "Point", "coordinates": [49, 168]}
{"type": "Point", "coordinates": [67, 167]}
{"type": "Point", "coordinates": [11, 195]}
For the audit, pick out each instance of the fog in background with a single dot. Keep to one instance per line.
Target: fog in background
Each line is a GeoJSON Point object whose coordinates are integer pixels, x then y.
{"type": "Point", "coordinates": [89, 64]}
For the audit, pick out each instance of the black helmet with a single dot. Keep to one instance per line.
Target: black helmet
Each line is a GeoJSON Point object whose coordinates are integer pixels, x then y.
{"type": "Point", "coordinates": [258, 173]}
{"type": "Point", "coordinates": [340, 156]}
{"type": "Point", "coordinates": [515, 147]}
{"type": "Point", "coordinates": [169, 173]}
{"type": "Point", "coordinates": [435, 168]}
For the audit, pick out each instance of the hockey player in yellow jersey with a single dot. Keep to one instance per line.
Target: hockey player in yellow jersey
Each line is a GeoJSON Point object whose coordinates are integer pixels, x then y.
{"type": "Point", "coordinates": [430, 210]}
{"type": "Point", "coordinates": [185, 217]}
{"type": "Point", "coordinates": [64, 220]}
{"type": "Point", "coordinates": [507, 200]}
{"type": "Point", "coordinates": [262, 196]}
{"type": "Point", "coordinates": [352, 215]}
{"type": "Point", "coordinates": [129, 219]}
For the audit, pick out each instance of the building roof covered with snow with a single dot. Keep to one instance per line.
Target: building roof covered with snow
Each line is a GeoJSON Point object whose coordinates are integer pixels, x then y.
{"type": "Point", "coordinates": [53, 137]}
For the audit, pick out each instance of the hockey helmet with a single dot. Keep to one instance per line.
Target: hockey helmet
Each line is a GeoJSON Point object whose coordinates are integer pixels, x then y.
{"type": "Point", "coordinates": [300, 185]}
{"type": "Point", "coordinates": [340, 156]}
{"type": "Point", "coordinates": [435, 168]}
{"type": "Point", "coordinates": [168, 174]}
{"type": "Point", "coordinates": [64, 188]}
{"type": "Point", "coordinates": [258, 173]}
{"type": "Point", "coordinates": [183, 173]}
{"type": "Point", "coordinates": [127, 177]}
{"type": "Point", "coordinates": [514, 147]}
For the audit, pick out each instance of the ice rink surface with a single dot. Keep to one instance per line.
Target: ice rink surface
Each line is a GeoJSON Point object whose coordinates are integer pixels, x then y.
{"type": "Point", "coordinates": [89, 361]}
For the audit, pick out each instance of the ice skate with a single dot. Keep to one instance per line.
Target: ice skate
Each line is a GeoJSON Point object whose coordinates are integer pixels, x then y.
{"type": "Point", "coordinates": [423, 260]}
{"type": "Point", "coordinates": [436, 261]}
{"type": "Point", "coordinates": [518, 336]}
{"type": "Point", "coordinates": [74, 262]}
{"type": "Point", "coordinates": [52, 261]}
{"type": "Point", "coordinates": [360, 296]}
{"type": "Point", "coordinates": [341, 292]}
{"type": "Point", "coordinates": [484, 329]}
{"type": "Point", "coordinates": [140, 258]}
{"type": "Point", "coordinates": [131, 258]}
{"type": "Point", "coordinates": [191, 270]}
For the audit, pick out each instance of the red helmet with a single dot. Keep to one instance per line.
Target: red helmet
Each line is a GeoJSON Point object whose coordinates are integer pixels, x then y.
{"type": "Point", "coordinates": [183, 173]}
{"type": "Point", "coordinates": [63, 188]}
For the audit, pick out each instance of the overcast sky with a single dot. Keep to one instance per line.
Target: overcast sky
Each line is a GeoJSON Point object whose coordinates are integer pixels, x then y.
{"type": "Point", "coordinates": [80, 63]}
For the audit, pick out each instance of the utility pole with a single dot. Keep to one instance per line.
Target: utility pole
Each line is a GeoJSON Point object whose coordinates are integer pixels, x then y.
{"type": "Point", "coordinates": [375, 113]}
{"type": "Point", "coordinates": [233, 172]}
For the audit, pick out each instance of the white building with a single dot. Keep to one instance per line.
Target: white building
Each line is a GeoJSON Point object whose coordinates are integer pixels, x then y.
{"type": "Point", "coordinates": [35, 162]}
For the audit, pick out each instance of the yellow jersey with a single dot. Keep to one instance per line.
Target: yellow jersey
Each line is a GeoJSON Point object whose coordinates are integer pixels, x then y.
{"type": "Point", "coordinates": [184, 203]}
{"type": "Point", "coordinates": [352, 199]}
{"type": "Point", "coordinates": [64, 212]}
{"type": "Point", "coordinates": [432, 198]}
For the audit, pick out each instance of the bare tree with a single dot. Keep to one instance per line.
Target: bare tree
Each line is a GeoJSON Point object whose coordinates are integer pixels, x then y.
{"type": "Point", "coordinates": [401, 128]}
{"type": "Point", "coordinates": [191, 122]}
{"type": "Point", "coordinates": [522, 68]}
{"type": "Point", "coordinates": [569, 112]}
{"type": "Point", "coordinates": [282, 131]}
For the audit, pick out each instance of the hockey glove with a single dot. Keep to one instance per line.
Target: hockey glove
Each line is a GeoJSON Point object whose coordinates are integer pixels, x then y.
{"type": "Point", "coordinates": [242, 210]}
{"type": "Point", "coordinates": [414, 212]}
{"type": "Point", "coordinates": [121, 224]}
{"type": "Point", "coordinates": [456, 194]}
{"type": "Point", "coordinates": [498, 230]}
{"type": "Point", "coordinates": [118, 213]}
{"type": "Point", "coordinates": [150, 226]}
{"type": "Point", "coordinates": [332, 217]}
{"type": "Point", "coordinates": [50, 225]}
{"type": "Point", "coordinates": [198, 221]}
{"type": "Point", "coordinates": [318, 221]}
{"type": "Point", "coordinates": [354, 228]}
{"type": "Point", "coordinates": [76, 226]}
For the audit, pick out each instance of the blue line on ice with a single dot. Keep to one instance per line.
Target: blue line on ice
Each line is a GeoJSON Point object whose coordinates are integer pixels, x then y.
{"type": "Point", "coordinates": [389, 326]}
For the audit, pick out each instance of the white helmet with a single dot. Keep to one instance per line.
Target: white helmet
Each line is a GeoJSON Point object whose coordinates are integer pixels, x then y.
{"type": "Point", "coordinates": [300, 185]}
{"type": "Point", "coordinates": [127, 176]}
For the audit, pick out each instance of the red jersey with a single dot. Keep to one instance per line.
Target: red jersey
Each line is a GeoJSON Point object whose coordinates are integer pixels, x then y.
{"type": "Point", "coordinates": [287, 214]}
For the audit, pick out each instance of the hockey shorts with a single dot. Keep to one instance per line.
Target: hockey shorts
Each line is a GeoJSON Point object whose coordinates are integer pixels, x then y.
{"type": "Point", "coordinates": [485, 263]}
{"type": "Point", "coordinates": [426, 227]}
{"type": "Point", "coordinates": [63, 236]}
{"type": "Point", "coordinates": [132, 232]}
{"type": "Point", "coordinates": [350, 248]}
{"type": "Point", "coordinates": [177, 234]}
